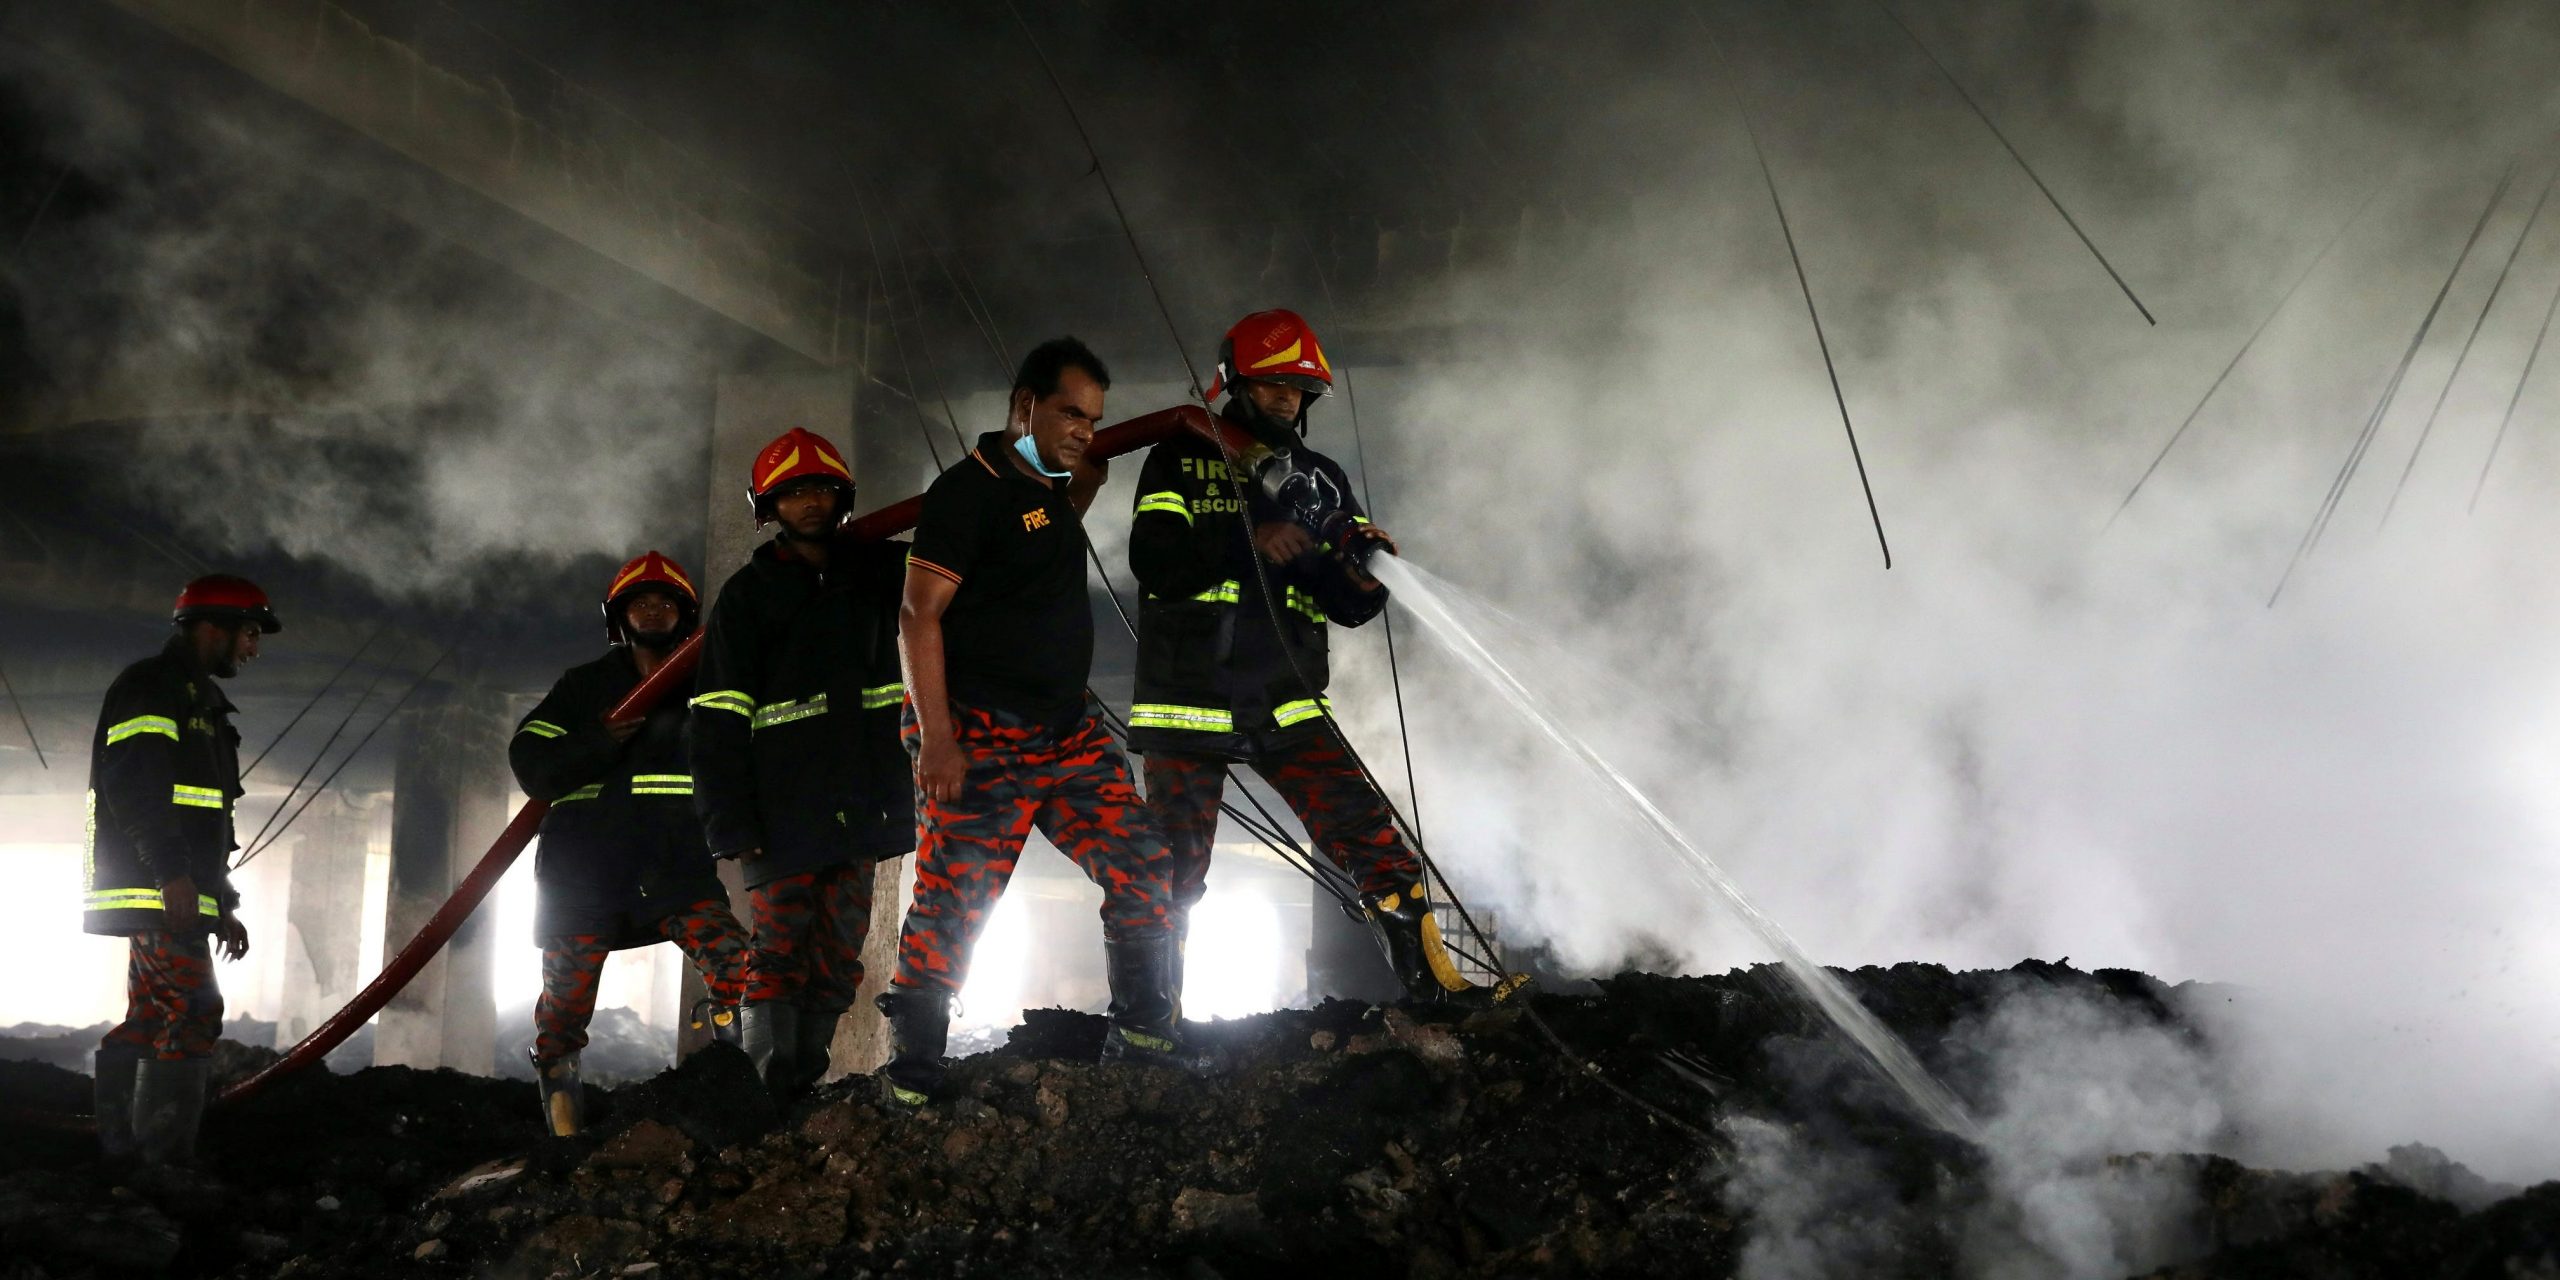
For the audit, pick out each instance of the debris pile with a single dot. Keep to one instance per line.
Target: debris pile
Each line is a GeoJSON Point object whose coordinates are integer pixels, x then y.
{"type": "Point", "coordinates": [1340, 1140]}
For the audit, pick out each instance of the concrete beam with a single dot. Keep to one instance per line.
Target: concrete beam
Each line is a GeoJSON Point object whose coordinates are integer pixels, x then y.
{"type": "Point", "coordinates": [630, 197]}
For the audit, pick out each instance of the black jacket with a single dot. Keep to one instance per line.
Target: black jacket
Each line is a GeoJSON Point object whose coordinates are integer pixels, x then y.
{"type": "Point", "coordinates": [164, 772]}
{"type": "Point", "coordinates": [794, 733]}
{"type": "Point", "coordinates": [620, 847]}
{"type": "Point", "coordinates": [1214, 677]}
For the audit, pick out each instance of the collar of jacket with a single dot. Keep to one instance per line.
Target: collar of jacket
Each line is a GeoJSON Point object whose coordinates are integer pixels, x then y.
{"type": "Point", "coordinates": [994, 451]}
{"type": "Point", "coordinates": [181, 654]}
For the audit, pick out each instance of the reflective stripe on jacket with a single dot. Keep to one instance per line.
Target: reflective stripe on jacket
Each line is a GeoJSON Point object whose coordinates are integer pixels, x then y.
{"type": "Point", "coordinates": [1215, 676]}
{"type": "Point", "coordinates": [164, 772]}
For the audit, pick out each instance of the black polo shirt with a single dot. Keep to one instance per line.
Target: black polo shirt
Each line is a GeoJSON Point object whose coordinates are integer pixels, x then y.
{"type": "Point", "coordinates": [1018, 635]}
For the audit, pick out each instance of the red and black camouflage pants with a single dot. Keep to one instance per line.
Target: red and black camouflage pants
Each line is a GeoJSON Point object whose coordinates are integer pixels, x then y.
{"type": "Point", "coordinates": [809, 934]}
{"type": "Point", "coordinates": [1074, 786]}
{"type": "Point", "coordinates": [708, 934]}
{"type": "Point", "coordinates": [172, 1007]}
{"type": "Point", "coordinates": [1345, 818]}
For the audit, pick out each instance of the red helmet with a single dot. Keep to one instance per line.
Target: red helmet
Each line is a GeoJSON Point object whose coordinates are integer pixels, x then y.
{"type": "Point", "coordinates": [793, 455]}
{"type": "Point", "coordinates": [650, 570]}
{"type": "Point", "coordinates": [223, 598]}
{"type": "Point", "coordinates": [1276, 346]}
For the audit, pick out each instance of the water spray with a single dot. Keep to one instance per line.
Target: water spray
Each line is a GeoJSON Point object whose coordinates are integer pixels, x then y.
{"type": "Point", "coordinates": [1428, 596]}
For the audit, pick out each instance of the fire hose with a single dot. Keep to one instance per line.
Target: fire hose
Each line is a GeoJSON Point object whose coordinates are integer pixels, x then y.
{"type": "Point", "coordinates": [1126, 437]}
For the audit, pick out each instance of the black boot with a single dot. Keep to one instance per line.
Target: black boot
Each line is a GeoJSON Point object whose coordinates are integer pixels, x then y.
{"type": "Point", "coordinates": [770, 1033]}
{"type": "Point", "coordinates": [1142, 1019]}
{"type": "Point", "coordinates": [817, 1048]}
{"type": "Point", "coordinates": [1407, 934]}
{"type": "Point", "coordinates": [919, 1033]}
{"type": "Point", "coordinates": [168, 1107]}
{"type": "Point", "coordinates": [563, 1094]}
{"type": "Point", "coordinates": [112, 1103]}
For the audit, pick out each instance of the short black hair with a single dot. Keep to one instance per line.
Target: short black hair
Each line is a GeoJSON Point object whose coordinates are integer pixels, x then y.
{"type": "Point", "coordinates": [1049, 362]}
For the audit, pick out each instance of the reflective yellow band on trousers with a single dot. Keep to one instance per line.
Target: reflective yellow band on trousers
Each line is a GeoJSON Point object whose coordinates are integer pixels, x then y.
{"type": "Point", "coordinates": [141, 725]}
{"type": "Point", "coordinates": [141, 900]}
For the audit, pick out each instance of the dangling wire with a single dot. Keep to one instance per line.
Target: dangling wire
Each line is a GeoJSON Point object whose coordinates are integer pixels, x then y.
{"type": "Point", "coordinates": [1803, 285]}
{"type": "Point", "coordinates": [2382, 407]}
{"type": "Point", "coordinates": [2477, 324]}
{"type": "Point", "coordinates": [1360, 454]}
{"type": "Point", "coordinates": [2510, 415]}
{"type": "Point", "coordinates": [252, 843]}
{"type": "Point", "coordinates": [23, 722]}
{"type": "Point", "coordinates": [2023, 166]}
{"type": "Point", "coordinates": [334, 677]}
{"type": "Point", "coordinates": [2238, 356]}
{"type": "Point", "coordinates": [349, 758]}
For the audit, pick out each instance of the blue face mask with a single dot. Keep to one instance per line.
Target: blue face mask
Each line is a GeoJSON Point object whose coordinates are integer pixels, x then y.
{"type": "Point", "coordinates": [1030, 451]}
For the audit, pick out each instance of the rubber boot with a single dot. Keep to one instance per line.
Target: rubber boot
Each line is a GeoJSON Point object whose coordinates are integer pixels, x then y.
{"type": "Point", "coordinates": [112, 1103]}
{"type": "Point", "coordinates": [1143, 1029]}
{"type": "Point", "coordinates": [770, 1033]}
{"type": "Point", "coordinates": [1409, 937]}
{"type": "Point", "coordinates": [168, 1107]}
{"type": "Point", "coordinates": [817, 1048]}
{"type": "Point", "coordinates": [919, 1035]}
{"type": "Point", "coordinates": [563, 1094]}
{"type": "Point", "coordinates": [721, 1020]}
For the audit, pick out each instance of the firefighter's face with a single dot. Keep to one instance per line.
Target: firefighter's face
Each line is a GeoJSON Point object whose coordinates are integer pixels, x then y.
{"type": "Point", "coordinates": [807, 507]}
{"type": "Point", "coordinates": [1062, 422]}
{"type": "Point", "coordinates": [650, 618]}
{"type": "Point", "coordinates": [1277, 401]}
{"type": "Point", "coordinates": [225, 647]}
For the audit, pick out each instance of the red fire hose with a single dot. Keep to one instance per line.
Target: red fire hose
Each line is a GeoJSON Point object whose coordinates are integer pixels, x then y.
{"type": "Point", "coordinates": [1110, 442]}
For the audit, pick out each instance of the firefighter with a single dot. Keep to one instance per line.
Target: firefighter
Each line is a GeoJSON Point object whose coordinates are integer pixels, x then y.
{"type": "Point", "coordinates": [998, 637]}
{"type": "Point", "coordinates": [622, 861]}
{"type": "Point", "coordinates": [1226, 676]}
{"type": "Point", "coordinates": [164, 773]}
{"type": "Point", "coordinates": [798, 773]}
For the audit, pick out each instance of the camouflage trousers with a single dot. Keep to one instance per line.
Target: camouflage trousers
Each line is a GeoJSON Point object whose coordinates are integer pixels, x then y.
{"type": "Point", "coordinates": [172, 1006]}
{"type": "Point", "coordinates": [1074, 786]}
{"type": "Point", "coordinates": [708, 934]}
{"type": "Point", "coordinates": [809, 934]}
{"type": "Point", "coordinates": [1346, 820]}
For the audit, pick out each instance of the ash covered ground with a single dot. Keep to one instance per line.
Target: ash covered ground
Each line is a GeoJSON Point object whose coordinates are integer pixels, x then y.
{"type": "Point", "coordinates": [1342, 1140]}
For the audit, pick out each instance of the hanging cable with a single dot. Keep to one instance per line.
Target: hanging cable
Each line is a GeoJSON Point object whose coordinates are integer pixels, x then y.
{"type": "Point", "coordinates": [1803, 285]}
{"type": "Point", "coordinates": [2382, 407]}
{"type": "Point", "coordinates": [2477, 324]}
{"type": "Point", "coordinates": [350, 757]}
{"type": "Point", "coordinates": [2023, 166]}
{"type": "Point", "coordinates": [334, 677]}
{"type": "Point", "coordinates": [316, 757]}
{"type": "Point", "coordinates": [23, 722]}
{"type": "Point", "coordinates": [2510, 415]}
{"type": "Point", "coordinates": [2238, 356]}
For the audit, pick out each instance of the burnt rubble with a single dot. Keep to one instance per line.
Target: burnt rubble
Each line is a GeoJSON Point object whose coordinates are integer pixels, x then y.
{"type": "Point", "coordinates": [1343, 1140]}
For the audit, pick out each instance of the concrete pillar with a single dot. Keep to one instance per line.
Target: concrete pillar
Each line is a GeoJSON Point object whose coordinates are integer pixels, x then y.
{"type": "Point", "coordinates": [324, 917]}
{"type": "Point", "coordinates": [449, 793]}
{"type": "Point", "coordinates": [751, 409]}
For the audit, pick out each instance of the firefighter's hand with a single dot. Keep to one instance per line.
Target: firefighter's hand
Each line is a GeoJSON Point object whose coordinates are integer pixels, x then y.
{"type": "Point", "coordinates": [1355, 554]}
{"type": "Point", "coordinates": [1281, 541]}
{"type": "Point", "coordinates": [940, 768]}
{"type": "Point", "coordinates": [622, 730]}
{"type": "Point", "coordinates": [178, 905]}
{"type": "Point", "coordinates": [232, 936]}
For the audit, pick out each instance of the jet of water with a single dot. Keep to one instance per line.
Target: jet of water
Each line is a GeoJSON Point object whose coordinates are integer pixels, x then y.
{"type": "Point", "coordinates": [1430, 597]}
